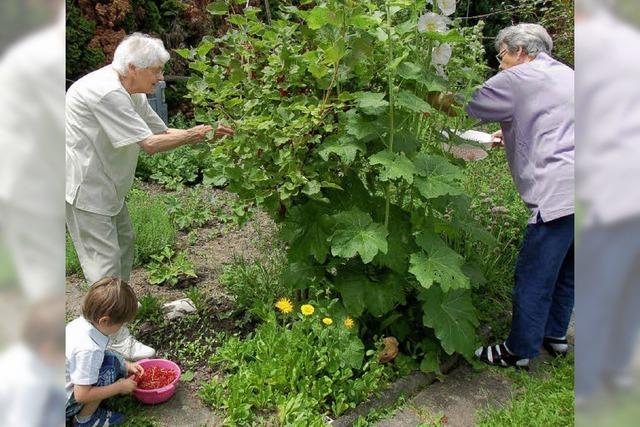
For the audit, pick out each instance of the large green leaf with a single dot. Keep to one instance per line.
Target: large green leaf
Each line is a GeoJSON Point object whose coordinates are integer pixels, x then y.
{"type": "Point", "coordinates": [359, 292]}
{"type": "Point", "coordinates": [400, 241]}
{"type": "Point", "coordinates": [432, 351]}
{"type": "Point", "coordinates": [218, 8]}
{"type": "Point", "coordinates": [353, 193]}
{"type": "Point", "coordinates": [409, 101]}
{"type": "Point", "coordinates": [301, 275]}
{"type": "Point", "coordinates": [352, 351]}
{"type": "Point", "coordinates": [371, 102]}
{"type": "Point", "coordinates": [438, 176]}
{"type": "Point", "coordinates": [364, 22]}
{"type": "Point", "coordinates": [436, 186]}
{"type": "Point", "coordinates": [307, 230]}
{"type": "Point", "coordinates": [406, 142]}
{"type": "Point", "coordinates": [345, 148]}
{"type": "Point", "coordinates": [394, 166]}
{"type": "Point", "coordinates": [204, 47]}
{"type": "Point", "coordinates": [335, 52]}
{"type": "Point", "coordinates": [352, 286]}
{"type": "Point", "coordinates": [356, 233]}
{"type": "Point", "coordinates": [410, 71]}
{"type": "Point", "coordinates": [440, 264]}
{"type": "Point", "coordinates": [385, 295]}
{"type": "Point", "coordinates": [452, 317]}
{"type": "Point", "coordinates": [319, 16]}
{"type": "Point", "coordinates": [362, 128]}
{"type": "Point", "coordinates": [427, 165]}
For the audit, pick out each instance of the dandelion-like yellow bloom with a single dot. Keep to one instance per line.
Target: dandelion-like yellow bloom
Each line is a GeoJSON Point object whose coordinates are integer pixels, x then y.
{"type": "Point", "coordinates": [327, 321]}
{"type": "Point", "coordinates": [348, 322]}
{"type": "Point", "coordinates": [284, 305]}
{"type": "Point", "coordinates": [307, 309]}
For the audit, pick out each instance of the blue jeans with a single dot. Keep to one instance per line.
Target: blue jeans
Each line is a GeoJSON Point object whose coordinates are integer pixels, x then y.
{"type": "Point", "coordinates": [543, 295]}
{"type": "Point", "coordinates": [113, 368]}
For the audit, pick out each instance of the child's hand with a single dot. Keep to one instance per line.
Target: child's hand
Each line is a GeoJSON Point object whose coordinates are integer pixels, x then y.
{"type": "Point", "coordinates": [126, 385]}
{"type": "Point", "coordinates": [135, 369]}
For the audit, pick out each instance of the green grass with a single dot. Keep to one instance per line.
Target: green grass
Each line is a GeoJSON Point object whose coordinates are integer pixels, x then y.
{"type": "Point", "coordinates": [490, 186]}
{"type": "Point", "coordinates": [544, 399]}
{"type": "Point", "coordinates": [152, 226]}
{"type": "Point", "coordinates": [71, 257]}
{"type": "Point", "coordinates": [379, 414]}
{"type": "Point", "coordinates": [254, 282]}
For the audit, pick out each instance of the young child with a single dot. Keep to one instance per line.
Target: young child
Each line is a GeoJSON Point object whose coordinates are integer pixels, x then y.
{"type": "Point", "coordinates": [92, 373]}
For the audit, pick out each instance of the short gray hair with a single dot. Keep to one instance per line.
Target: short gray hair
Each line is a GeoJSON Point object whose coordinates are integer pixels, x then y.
{"type": "Point", "coordinates": [532, 38]}
{"type": "Point", "coordinates": [140, 50]}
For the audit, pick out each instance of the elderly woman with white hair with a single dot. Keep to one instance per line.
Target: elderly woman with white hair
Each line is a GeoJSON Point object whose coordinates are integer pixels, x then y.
{"type": "Point", "coordinates": [533, 100]}
{"type": "Point", "coordinates": [108, 121]}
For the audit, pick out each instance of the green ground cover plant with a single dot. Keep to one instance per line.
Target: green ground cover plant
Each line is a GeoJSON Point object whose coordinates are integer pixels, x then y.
{"type": "Point", "coordinates": [170, 267]}
{"type": "Point", "coordinates": [298, 366]}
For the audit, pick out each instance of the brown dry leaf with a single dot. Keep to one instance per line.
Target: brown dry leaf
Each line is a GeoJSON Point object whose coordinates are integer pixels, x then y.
{"type": "Point", "coordinates": [390, 350]}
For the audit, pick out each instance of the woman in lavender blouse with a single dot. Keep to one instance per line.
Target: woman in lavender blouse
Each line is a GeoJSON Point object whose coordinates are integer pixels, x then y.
{"type": "Point", "coordinates": [532, 97]}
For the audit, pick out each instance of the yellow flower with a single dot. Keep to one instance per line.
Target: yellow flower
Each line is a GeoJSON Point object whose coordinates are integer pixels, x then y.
{"type": "Point", "coordinates": [307, 309]}
{"type": "Point", "coordinates": [348, 322]}
{"type": "Point", "coordinates": [284, 305]}
{"type": "Point", "coordinates": [327, 321]}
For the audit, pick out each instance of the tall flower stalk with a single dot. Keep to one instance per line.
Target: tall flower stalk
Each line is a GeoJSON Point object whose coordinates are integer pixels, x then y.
{"type": "Point", "coordinates": [390, 78]}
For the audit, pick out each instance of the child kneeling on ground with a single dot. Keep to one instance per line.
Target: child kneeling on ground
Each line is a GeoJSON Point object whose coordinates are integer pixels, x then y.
{"type": "Point", "coordinates": [94, 374]}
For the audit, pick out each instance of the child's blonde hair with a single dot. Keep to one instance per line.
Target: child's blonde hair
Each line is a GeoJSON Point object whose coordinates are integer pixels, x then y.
{"type": "Point", "coordinates": [110, 297]}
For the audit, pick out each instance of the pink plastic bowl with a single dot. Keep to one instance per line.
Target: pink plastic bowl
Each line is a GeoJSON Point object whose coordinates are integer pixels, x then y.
{"type": "Point", "coordinates": [162, 394]}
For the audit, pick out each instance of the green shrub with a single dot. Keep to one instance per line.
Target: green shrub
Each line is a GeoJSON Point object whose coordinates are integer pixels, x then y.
{"type": "Point", "coordinates": [334, 139]}
{"type": "Point", "coordinates": [173, 169]}
{"type": "Point", "coordinates": [79, 31]}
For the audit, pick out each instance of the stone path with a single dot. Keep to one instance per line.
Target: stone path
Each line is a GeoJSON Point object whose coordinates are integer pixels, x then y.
{"type": "Point", "coordinates": [454, 401]}
{"type": "Point", "coordinates": [185, 409]}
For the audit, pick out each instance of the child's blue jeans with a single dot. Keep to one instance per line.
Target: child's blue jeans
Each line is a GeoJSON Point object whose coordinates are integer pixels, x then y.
{"type": "Point", "coordinates": [543, 295]}
{"type": "Point", "coordinates": [113, 368]}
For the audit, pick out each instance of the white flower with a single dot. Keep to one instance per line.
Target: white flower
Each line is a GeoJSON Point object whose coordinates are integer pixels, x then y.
{"type": "Point", "coordinates": [447, 6]}
{"type": "Point", "coordinates": [441, 54]}
{"type": "Point", "coordinates": [432, 22]}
